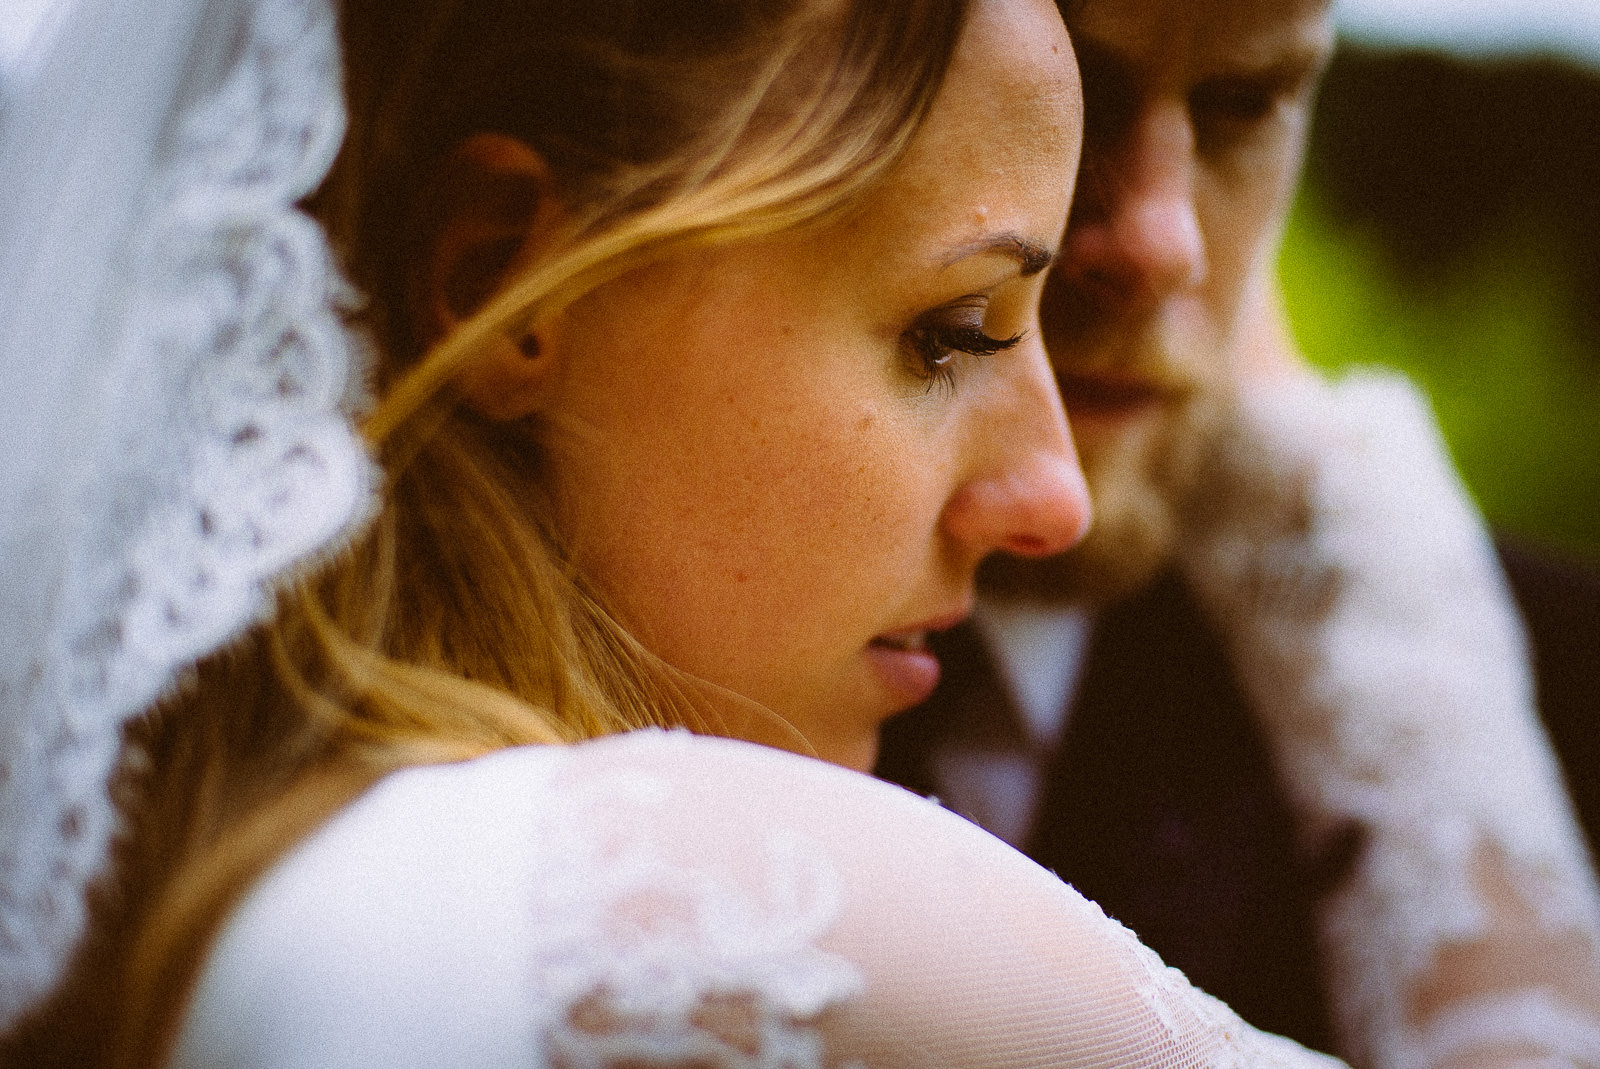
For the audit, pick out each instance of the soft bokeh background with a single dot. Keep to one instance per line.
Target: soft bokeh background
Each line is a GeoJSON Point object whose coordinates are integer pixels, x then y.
{"type": "Point", "coordinates": [1449, 226]}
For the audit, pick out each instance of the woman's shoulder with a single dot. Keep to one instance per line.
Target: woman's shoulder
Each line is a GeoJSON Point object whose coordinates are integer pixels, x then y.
{"type": "Point", "coordinates": [458, 914]}
{"type": "Point", "coordinates": [664, 899]}
{"type": "Point", "coordinates": [389, 931]}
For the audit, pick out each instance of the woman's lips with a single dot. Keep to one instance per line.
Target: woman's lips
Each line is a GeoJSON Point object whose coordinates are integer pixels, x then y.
{"type": "Point", "coordinates": [906, 666]}
{"type": "Point", "coordinates": [904, 662]}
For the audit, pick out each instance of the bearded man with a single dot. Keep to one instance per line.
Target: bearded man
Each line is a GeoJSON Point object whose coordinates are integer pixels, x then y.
{"type": "Point", "coordinates": [1275, 713]}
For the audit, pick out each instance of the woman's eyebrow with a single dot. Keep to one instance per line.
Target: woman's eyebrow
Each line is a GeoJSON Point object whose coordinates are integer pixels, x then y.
{"type": "Point", "coordinates": [1031, 256]}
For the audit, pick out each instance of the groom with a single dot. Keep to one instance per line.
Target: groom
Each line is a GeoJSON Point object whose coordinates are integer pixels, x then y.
{"type": "Point", "coordinates": [1096, 722]}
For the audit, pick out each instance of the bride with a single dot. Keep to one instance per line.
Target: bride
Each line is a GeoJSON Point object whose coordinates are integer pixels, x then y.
{"type": "Point", "coordinates": [706, 367]}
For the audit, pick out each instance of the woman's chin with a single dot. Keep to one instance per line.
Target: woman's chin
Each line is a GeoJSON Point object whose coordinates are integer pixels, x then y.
{"type": "Point", "coordinates": [837, 719]}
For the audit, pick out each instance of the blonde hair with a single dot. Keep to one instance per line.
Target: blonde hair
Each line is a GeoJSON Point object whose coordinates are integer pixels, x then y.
{"type": "Point", "coordinates": [457, 624]}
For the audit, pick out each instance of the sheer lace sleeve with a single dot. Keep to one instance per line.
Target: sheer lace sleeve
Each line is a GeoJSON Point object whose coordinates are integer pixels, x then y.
{"type": "Point", "coordinates": [1373, 629]}
{"type": "Point", "coordinates": [666, 900]}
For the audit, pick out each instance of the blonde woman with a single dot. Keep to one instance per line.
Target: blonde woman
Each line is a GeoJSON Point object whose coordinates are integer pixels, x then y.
{"type": "Point", "coordinates": [706, 369]}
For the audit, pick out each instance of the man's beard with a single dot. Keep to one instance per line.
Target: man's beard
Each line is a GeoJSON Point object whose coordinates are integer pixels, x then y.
{"type": "Point", "coordinates": [1139, 477]}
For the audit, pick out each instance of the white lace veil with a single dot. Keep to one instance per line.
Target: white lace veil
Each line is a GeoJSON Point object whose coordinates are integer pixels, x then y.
{"type": "Point", "coordinates": [177, 384]}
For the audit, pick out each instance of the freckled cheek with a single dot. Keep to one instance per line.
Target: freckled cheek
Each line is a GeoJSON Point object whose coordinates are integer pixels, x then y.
{"type": "Point", "coordinates": [864, 511]}
{"type": "Point", "coordinates": [831, 522]}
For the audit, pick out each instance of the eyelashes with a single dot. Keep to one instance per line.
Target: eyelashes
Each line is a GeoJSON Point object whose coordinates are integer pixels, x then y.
{"type": "Point", "coordinates": [933, 347]}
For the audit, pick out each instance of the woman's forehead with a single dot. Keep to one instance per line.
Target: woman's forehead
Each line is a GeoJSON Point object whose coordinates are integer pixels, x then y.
{"type": "Point", "coordinates": [999, 149]}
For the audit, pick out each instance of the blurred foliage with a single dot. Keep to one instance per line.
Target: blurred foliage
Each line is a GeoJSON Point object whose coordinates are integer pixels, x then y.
{"type": "Point", "coordinates": [1402, 257]}
{"type": "Point", "coordinates": [1498, 348]}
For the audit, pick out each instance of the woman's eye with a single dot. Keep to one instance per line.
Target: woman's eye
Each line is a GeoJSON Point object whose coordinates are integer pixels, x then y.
{"type": "Point", "coordinates": [933, 347]}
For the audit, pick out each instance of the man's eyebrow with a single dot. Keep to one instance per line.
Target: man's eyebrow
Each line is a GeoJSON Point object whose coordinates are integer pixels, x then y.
{"type": "Point", "coordinates": [1295, 65]}
{"type": "Point", "coordinates": [1285, 61]}
{"type": "Point", "coordinates": [1031, 256]}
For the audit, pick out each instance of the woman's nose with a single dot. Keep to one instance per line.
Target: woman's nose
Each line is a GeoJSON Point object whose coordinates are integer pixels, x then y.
{"type": "Point", "coordinates": [1135, 232]}
{"type": "Point", "coordinates": [1029, 496]}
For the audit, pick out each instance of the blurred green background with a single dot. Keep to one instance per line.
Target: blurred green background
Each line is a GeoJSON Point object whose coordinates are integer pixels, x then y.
{"type": "Point", "coordinates": [1449, 226]}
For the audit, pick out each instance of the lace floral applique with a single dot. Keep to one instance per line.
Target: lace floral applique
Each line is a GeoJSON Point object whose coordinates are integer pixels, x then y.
{"type": "Point", "coordinates": [641, 961]}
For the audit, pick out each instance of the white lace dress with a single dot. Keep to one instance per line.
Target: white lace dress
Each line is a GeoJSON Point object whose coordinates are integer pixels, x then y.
{"type": "Point", "coordinates": [660, 899]}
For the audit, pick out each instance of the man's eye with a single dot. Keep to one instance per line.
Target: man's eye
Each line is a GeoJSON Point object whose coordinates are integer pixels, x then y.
{"type": "Point", "coordinates": [1239, 102]}
{"type": "Point", "coordinates": [1232, 112]}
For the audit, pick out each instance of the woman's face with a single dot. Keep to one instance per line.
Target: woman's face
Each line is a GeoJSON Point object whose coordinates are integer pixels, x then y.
{"type": "Point", "coordinates": [783, 459]}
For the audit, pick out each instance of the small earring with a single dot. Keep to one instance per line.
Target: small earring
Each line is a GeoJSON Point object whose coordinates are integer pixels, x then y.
{"type": "Point", "coordinates": [529, 346]}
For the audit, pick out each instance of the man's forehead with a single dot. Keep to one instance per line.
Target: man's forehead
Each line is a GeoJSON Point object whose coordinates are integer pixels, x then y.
{"type": "Point", "coordinates": [1203, 37]}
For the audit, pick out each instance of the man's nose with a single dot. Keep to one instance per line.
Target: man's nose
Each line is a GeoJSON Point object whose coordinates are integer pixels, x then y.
{"type": "Point", "coordinates": [1135, 231]}
{"type": "Point", "coordinates": [1028, 495]}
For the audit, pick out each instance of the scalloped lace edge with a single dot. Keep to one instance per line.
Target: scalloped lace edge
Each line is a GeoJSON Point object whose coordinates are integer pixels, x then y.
{"type": "Point", "coordinates": [236, 376]}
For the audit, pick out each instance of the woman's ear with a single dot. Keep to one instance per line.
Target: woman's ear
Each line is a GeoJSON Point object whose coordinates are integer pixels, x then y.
{"type": "Point", "coordinates": [490, 206]}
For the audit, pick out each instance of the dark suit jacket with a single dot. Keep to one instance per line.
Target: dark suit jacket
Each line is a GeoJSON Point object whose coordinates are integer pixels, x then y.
{"type": "Point", "coordinates": [1161, 802]}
